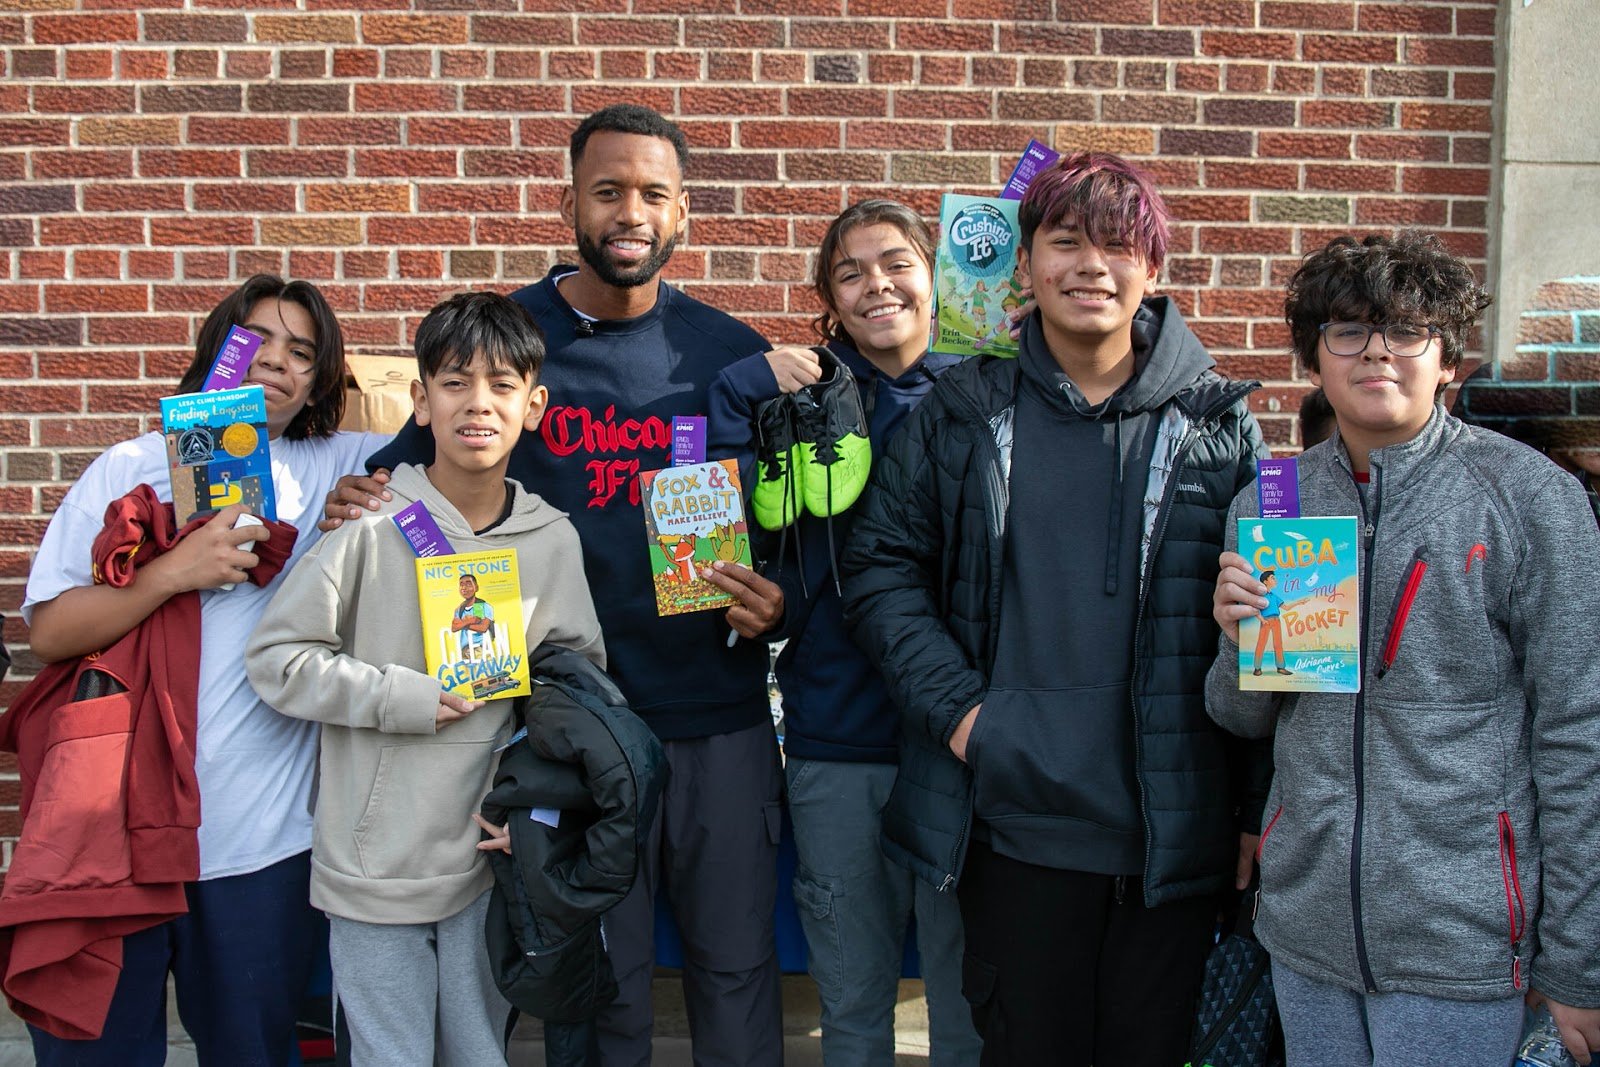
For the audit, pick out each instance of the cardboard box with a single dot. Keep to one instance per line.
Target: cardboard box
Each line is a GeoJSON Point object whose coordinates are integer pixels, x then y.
{"type": "Point", "coordinates": [378, 392]}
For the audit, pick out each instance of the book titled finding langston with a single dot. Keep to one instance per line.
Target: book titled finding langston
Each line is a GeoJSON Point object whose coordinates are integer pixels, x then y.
{"type": "Point", "coordinates": [217, 452]}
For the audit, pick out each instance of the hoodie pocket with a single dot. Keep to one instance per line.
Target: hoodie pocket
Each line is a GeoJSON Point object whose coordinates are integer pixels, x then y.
{"type": "Point", "coordinates": [417, 822]}
{"type": "Point", "coordinates": [1405, 599]}
{"type": "Point", "coordinates": [1511, 881]}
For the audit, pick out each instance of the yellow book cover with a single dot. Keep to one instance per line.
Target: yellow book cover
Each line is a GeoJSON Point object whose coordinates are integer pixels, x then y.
{"type": "Point", "coordinates": [473, 633]}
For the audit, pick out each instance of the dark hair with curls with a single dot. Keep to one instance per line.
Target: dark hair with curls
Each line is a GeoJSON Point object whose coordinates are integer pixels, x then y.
{"type": "Point", "coordinates": [865, 213]}
{"type": "Point", "coordinates": [325, 405]}
{"type": "Point", "coordinates": [1105, 196]}
{"type": "Point", "coordinates": [487, 325]}
{"type": "Point", "coordinates": [630, 118]}
{"type": "Point", "coordinates": [1378, 280]}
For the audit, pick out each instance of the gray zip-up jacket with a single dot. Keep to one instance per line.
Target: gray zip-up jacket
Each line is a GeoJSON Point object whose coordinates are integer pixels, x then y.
{"type": "Point", "coordinates": [1439, 832]}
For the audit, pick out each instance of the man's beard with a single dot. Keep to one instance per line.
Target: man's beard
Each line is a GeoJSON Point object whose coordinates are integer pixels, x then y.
{"type": "Point", "coordinates": [594, 255]}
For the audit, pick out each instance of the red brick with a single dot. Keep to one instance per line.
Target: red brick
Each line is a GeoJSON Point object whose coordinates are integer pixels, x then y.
{"type": "Point", "coordinates": [1193, 207]}
{"type": "Point", "coordinates": [1344, 81]}
{"type": "Point", "coordinates": [1206, 142]}
{"type": "Point", "coordinates": [1454, 181]}
{"type": "Point", "coordinates": [1346, 113]}
{"type": "Point", "coordinates": [1235, 239]}
{"type": "Point", "coordinates": [864, 103]}
{"type": "Point", "coordinates": [1468, 86]}
{"type": "Point", "coordinates": [142, 64]}
{"type": "Point", "coordinates": [1406, 211]}
{"type": "Point", "coordinates": [204, 129]}
{"type": "Point", "coordinates": [1247, 77]}
{"type": "Point", "coordinates": [498, 163]}
{"type": "Point", "coordinates": [764, 134]}
{"type": "Point", "coordinates": [1002, 70]}
{"type": "Point", "coordinates": [1406, 18]}
{"type": "Point", "coordinates": [1308, 16]}
{"type": "Point", "coordinates": [37, 263]}
{"type": "Point", "coordinates": [897, 133]}
{"type": "Point", "coordinates": [298, 163]}
{"type": "Point", "coordinates": [1445, 117]}
{"type": "Point", "coordinates": [86, 63]}
{"type": "Point", "coordinates": [15, 133]}
{"type": "Point", "coordinates": [355, 63]}
{"type": "Point", "coordinates": [1479, 23]}
{"type": "Point", "coordinates": [994, 137]}
{"type": "Point", "coordinates": [363, 130]}
{"type": "Point", "coordinates": [458, 131]}
{"type": "Point", "coordinates": [137, 197]}
{"type": "Point", "coordinates": [1163, 108]}
{"type": "Point", "coordinates": [31, 398]}
{"type": "Point", "coordinates": [404, 163]}
{"type": "Point", "coordinates": [1287, 78]}
{"type": "Point", "coordinates": [243, 196]}
{"type": "Point", "coordinates": [586, 99]}
{"type": "Point", "coordinates": [1449, 52]}
{"type": "Point", "coordinates": [1470, 150]}
{"type": "Point", "coordinates": [91, 230]}
{"type": "Point", "coordinates": [977, 38]}
{"type": "Point", "coordinates": [1248, 112]}
{"type": "Point", "coordinates": [1402, 146]}
{"type": "Point", "coordinates": [77, 99]}
{"type": "Point", "coordinates": [188, 163]}
{"type": "Point", "coordinates": [1246, 45]}
{"type": "Point", "coordinates": [663, 31]}
{"type": "Point", "coordinates": [1206, 13]}
{"type": "Point", "coordinates": [1033, 37]}
{"type": "Point", "coordinates": [418, 230]}
{"type": "Point", "coordinates": [202, 231]}
{"type": "Point", "coordinates": [940, 104]}
{"type": "Point", "coordinates": [85, 29]}
{"type": "Point", "coordinates": [474, 198]}
{"type": "Point", "coordinates": [190, 28]}
{"type": "Point", "coordinates": [1147, 42]}
{"type": "Point", "coordinates": [386, 29]}
{"type": "Point", "coordinates": [1235, 175]}
{"type": "Point", "coordinates": [854, 33]}
{"type": "Point", "coordinates": [404, 97]}
{"type": "Point", "coordinates": [942, 70]}
{"type": "Point", "coordinates": [1350, 178]}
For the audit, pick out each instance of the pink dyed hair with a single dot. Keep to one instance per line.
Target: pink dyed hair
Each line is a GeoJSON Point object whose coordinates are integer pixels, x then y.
{"type": "Point", "coordinates": [1106, 196]}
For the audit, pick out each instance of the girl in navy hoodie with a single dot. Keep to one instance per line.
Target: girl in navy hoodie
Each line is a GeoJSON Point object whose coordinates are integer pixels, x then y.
{"type": "Point", "coordinates": [874, 276]}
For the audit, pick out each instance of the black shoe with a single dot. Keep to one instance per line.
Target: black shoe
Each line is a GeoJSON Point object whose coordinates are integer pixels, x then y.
{"type": "Point", "coordinates": [1282, 670]}
{"type": "Point", "coordinates": [835, 454]}
{"type": "Point", "coordinates": [1256, 672]}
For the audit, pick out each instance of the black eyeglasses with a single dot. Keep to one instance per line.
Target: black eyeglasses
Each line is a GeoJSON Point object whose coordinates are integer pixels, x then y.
{"type": "Point", "coordinates": [1404, 339]}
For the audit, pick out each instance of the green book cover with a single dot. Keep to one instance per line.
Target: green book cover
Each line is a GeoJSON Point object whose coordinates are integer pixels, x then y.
{"type": "Point", "coordinates": [975, 276]}
{"type": "Point", "coordinates": [694, 516]}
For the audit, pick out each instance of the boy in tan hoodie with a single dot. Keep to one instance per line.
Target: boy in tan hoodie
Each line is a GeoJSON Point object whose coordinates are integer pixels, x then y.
{"type": "Point", "coordinates": [397, 861]}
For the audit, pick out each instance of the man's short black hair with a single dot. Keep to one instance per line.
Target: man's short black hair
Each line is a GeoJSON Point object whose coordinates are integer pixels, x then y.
{"type": "Point", "coordinates": [630, 118]}
{"type": "Point", "coordinates": [489, 325]}
{"type": "Point", "coordinates": [1410, 277]}
{"type": "Point", "coordinates": [1265, 575]}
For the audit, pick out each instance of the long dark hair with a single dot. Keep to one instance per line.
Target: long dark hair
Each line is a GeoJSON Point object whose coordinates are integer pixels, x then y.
{"type": "Point", "coordinates": [325, 406]}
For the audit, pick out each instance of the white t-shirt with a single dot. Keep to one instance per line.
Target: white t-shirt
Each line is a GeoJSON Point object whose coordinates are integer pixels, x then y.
{"type": "Point", "coordinates": [255, 767]}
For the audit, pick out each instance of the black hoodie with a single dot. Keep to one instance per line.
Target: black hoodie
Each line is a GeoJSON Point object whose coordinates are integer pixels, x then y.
{"type": "Point", "coordinates": [1054, 743]}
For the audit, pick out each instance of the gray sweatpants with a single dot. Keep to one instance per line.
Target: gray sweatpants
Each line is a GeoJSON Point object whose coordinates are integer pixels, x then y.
{"type": "Point", "coordinates": [1329, 1026]}
{"type": "Point", "coordinates": [413, 992]}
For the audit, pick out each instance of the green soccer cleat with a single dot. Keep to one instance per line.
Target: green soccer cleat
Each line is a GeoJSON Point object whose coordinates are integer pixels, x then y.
{"type": "Point", "coordinates": [777, 497]}
{"type": "Point", "coordinates": [835, 454]}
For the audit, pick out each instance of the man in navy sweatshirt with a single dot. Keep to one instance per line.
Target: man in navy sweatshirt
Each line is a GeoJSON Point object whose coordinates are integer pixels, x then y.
{"type": "Point", "coordinates": [627, 353]}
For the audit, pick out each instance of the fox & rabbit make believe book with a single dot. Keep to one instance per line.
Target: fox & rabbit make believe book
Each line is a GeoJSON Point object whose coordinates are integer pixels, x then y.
{"type": "Point", "coordinates": [1308, 637]}
{"type": "Point", "coordinates": [694, 516]}
{"type": "Point", "coordinates": [474, 637]}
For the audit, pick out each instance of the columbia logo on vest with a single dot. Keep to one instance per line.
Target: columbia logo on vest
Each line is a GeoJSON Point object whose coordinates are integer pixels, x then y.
{"type": "Point", "coordinates": [1191, 487]}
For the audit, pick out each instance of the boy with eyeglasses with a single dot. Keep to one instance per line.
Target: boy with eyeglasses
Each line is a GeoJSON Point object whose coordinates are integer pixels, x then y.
{"type": "Point", "coordinates": [1428, 858]}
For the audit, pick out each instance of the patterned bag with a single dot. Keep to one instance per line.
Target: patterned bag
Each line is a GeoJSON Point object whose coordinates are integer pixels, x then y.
{"type": "Point", "coordinates": [1236, 1024]}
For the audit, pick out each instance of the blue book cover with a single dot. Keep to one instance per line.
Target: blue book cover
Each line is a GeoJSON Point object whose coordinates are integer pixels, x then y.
{"type": "Point", "coordinates": [1308, 638]}
{"type": "Point", "coordinates": [217, 452]}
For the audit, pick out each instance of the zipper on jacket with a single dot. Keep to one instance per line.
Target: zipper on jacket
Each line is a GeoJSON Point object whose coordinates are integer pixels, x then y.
{"type": "Point", "coordinates": [1247, 989]}
{"type": "Point", "coordinates": [1516, 912]}
{"type": "Point", "coordinates": [1261, 845]}
{"type": "Point", "coordinates": [1401, 612]}
{"type": "Point", "coordinates": [1157, 535]}
{"type": "Point", "coordinates": [1369, 533]}
{"type": "Point", "coordinates": [1001, 504]}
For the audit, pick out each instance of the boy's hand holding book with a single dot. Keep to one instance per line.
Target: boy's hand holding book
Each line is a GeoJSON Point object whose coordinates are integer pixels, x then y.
{"type": "Point", "coordinates": [453, 708]}
{"type": "Point", "coordinates": [213, 556]}
{"type": "Point", "coordinates": [1238, 595]}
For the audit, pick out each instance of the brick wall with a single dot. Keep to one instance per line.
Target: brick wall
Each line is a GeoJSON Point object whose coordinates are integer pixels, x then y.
{"type": "Point", "coordinates": [1547, 392]}
{"type": "Point", "coordinates": [396, 151]}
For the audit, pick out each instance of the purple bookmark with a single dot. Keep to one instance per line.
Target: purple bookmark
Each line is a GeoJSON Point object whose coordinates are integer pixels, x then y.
{"type": "Point", "coordinates": [1278, 486]}
{"type": "Point", "coordinates": [1035, 157]}
{"type": "Point", "coordinates": [424, 534]}
{"type": "Point", "coordinates": [688, 440]}
{"type": "Point", "coordinates": [227, 371]}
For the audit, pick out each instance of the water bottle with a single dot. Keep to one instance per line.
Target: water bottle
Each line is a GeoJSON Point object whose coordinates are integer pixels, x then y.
{"type": "Point", "coordinates": [1541, 1043]}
